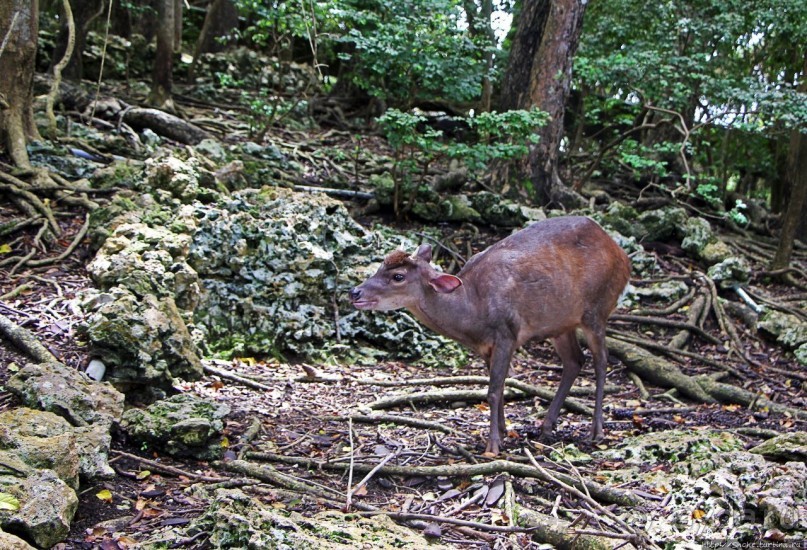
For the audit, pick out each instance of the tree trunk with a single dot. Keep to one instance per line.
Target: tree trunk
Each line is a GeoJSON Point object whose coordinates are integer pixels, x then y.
{"type": "Point", "coordinates": [84, 11]}
{"type": "Point", "coordinates": [220, 21]}
{"type": "Point", "coordinates": [797, 174]}
{"type": "Point", "coordinates": [178, 6]}
{"type": "Point", "coordinates": [19, 28]}
{"type": "Point", "coordinates": [162, 77]}
{"type": "Point", "coordinates": [481, 30]}
{"type": "Point", "coordinates": [539, 75]}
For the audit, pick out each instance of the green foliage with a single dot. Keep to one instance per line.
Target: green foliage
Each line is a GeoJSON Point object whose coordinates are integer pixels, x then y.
{"type": "Point", "coordinates": [275, 24]}
{"type": "Point", "coordinates": [721, 75]}
{"type": "Point", "coordinates": [399, 51]}
{"type": "Point", "coordinates": [265, 109]}
{"type": "Point", "coordinates": [709, 192]}
{"type": "Point", "coordinates": [407, 50]}
{"type": "Point", "coordinates": [493, 136]}
{"type": "Point", "coordinates": [736, 213]}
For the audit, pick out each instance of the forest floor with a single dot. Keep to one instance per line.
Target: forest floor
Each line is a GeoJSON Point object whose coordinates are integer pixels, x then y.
{"type": "Point", "coordinates": [307, 417]}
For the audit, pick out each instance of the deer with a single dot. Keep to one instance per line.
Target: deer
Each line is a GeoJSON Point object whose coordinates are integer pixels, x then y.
{"type": "Point", "coordinates": [545, 281]}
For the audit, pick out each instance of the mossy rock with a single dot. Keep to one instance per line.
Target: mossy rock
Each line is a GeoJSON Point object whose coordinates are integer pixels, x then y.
{"type": "Point", "coordinates": [183, 426]}
{"type": "Point", "coordinates": [788, 446]}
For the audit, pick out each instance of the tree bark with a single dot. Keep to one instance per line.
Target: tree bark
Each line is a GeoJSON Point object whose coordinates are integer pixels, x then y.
{"type": "Point", "coordinates": [178, 8]}
{"type": "Point", "coordinates": [19, 26]}
{"type": "Point", "coordinates": [84, 11]}
{"type": "Point", "coordinates": [220, 20]}
{"type": "Point", "coordinates": [796, 176]}
{"type": "Point", "coordinates": [481, 30]}
{"type": "Point", "coordinates": [162, 76]}
{"type": "Point", "coordinates": [539, 75]}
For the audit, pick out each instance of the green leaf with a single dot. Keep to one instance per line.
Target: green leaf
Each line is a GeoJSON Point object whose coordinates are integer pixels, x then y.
{"type": "Point", "coordinates": [9, 502]}
{"type": "Point", "coordinates": [5, 248]}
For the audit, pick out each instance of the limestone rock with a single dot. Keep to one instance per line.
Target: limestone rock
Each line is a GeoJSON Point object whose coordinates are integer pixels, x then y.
{"type": "Point", "coordinates": [41, 440]}
{"type": "Point", "coordinates": [731, 271]}
{"type": "Point", "coordinates": [458, 208]}
{"type": "Point", "coordinates": [789, 330]}
{"type": "Point", "coordinates": [235, 519]}
{"type": "Point", "coordinates": [68, 393]}
{"type": "Point", "coordinates": [144, 342]}
{"type": "Point", "coordinates": [147, 260]}
{"type": "Point", "coordinates": [788, 446]}
{"type": "Point", "coordinates": [662, 224]}
{"type": "Point", "coordinates": [736, 492]}
{"type": "Point", "coordinates": [177, 177]}
{"type": "Point", "coordinates": [497, 211]}
{"type": "Point", "coordinates": [13, 542]}
{"type": "Point", "coordinates": [182, 426]}
{"type": "Point", "coordinates": [47, 506]}
{"type": "Point", "coordinates": [698, 233]}
{"type": "Point", "coordinates": [272, 263]}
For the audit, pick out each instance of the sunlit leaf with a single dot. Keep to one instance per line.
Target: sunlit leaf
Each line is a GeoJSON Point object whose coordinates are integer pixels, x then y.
{"type": "Point", "coordinates": [9, 502]}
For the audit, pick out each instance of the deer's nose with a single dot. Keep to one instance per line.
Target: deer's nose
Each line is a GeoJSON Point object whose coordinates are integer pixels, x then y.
{"type": "Point", "coordinates": [354, 294]}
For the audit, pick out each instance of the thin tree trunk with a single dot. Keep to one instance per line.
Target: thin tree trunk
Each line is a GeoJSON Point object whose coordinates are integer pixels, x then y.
{"type": "Point", "coordinates": [162, 78]}
{"type": "Point", "coordinates": [84, 12]}
{"type": "Point", "coordinates": [480, 25]}
{"type": "Point", "coordinates": [178, 7]}
{"type": "Point", "coordinates": [220, 21]}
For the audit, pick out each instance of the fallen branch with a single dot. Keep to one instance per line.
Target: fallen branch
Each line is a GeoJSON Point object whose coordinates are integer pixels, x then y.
{"type": "Point", "coordinates": [727, 393]}
{"type": "Point", "coordinates": [268, 474]}
{"type": "Point", "coordinates": [166, 469]}
{"type": "Point", "coordinates": [472, 395]}
{"type": "Point", "coordinates": [408, 516]}
{"type": "Point", "coordinates": [600, 492]}
{"type": "Point", "coordinates": [596, 505]}
{"type": "Point", "coordinates": [25, 340]}
{"type": "Point", "coordinates": [339, 193]}
{"type": "Point", "coordinates": [551, 530]}
{"type": "Point", "coordinates": [666, 323]}
{"type": "Point", "coordinates": [390, 419]}
{"type": "Point", "coordinates": [529, 389]}
{"type": "Point", "coordinates": [165, 124]}
{"type": "Point", "coordinates": [210, 369]}
{"type": "Point", "coordinates": [67, 251]}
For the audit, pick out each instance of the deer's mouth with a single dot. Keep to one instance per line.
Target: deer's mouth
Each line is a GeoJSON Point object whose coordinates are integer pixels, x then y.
{"type": "Point", "coordinates": [364, 304]}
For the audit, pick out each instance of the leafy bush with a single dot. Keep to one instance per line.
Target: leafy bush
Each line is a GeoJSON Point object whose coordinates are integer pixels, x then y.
{"type": "Point", "coordinates": [492, 136]}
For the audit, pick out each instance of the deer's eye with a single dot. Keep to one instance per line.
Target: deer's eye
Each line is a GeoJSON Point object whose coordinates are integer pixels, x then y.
{"type": "Point", "coordinates": [398, 278]}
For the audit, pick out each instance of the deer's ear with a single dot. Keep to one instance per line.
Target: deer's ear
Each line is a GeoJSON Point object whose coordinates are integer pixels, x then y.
{"type": "Point", "coordinates": [424, 252]}
{"type": "Point", "coordinates": [445, 284]}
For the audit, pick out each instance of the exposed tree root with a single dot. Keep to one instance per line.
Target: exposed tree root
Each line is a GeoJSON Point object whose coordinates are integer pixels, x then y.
{"type": "Point", "coordinates": [702, 388]}
{"type": "Point", "coordinates": [657, 370]}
